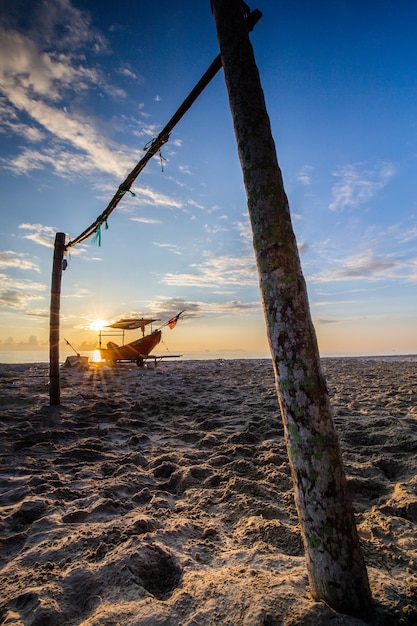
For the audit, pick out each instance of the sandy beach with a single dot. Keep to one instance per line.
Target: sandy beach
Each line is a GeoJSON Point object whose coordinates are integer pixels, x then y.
{"type": "Point", "coordinates": [163, 496]}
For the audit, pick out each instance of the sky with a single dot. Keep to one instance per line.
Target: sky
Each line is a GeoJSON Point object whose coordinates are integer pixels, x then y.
{"type": "Point", "coordinates": [85, 87]}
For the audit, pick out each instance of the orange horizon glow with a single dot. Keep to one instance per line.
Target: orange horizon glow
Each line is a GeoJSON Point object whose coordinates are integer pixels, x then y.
{"type": "Point", "coordinates": [97, 356]}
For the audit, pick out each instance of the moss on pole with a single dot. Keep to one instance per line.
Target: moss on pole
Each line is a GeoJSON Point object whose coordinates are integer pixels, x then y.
{"type": "Point", "coordinates": [335, 563]}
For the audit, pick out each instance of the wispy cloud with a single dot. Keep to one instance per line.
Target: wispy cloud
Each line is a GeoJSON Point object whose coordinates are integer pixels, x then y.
{"type": "Point", "coordinates": [214, 229]}
{"type": "Point", "coordinates": [410, 235]}
{"type": "Point", "coordinates": [35, 82]}
{"type": "Point", "coordinates": [185, 169]}
{"type": "Point", "coordinates": [13, 299]}
{"type": "Point", "coordinates": [168, 246]}
{"type": "Point", "coordinates": [127, 72]}
{"type": "Point", "coordinates": [233, 307]}
{"type": "Point", "coordinates": [16, 294]}
{"type": "Point", "coordinates": [196, 204]}
{"type": "Point", "coordinates": [358, 185]}
{"type": "Point", "coordinates": [39, 85]}
{"type": "Point", "coordinates": [303, 247]}
{"type": "Point", "coordinates": [166, 307]}
{"type": "Point", "coordinates": [43, 235]}
{"type": "Point", "coordinates": [304, 176]}
{"type": "Point", "coordinates": [44, 313]}
{"type": "Point", "coordinates": [362, 266]}
{"type": "Point", "coordinates": [217, 272]}
{"type": "Point", "coordinates": [27, 71]}
{"type": "Point", "coordinates": [146, 220]}
{"type": "Point", "coordinates": [9, 259]}
{"type": "Point", "coordinates": [147, 130]}
{"type": "Point", "coordinates": [244, 229]}
{"type": "Point", "coordinates": [154, 198]}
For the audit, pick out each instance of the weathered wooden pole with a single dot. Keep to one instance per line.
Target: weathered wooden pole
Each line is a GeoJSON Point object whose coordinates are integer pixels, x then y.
{"type": "Point", "coordinates": [54, 387]}
{"type": "Point", "coordinates": [335, 563]}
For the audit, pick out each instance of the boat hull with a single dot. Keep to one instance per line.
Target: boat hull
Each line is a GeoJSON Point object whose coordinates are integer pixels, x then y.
{"type": "Point", "coordinates": [136, 350]}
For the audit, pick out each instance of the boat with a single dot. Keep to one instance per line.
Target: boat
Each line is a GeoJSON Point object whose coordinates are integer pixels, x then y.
{"type": "Point", "coordinates": [139, 349]}
{"type": "Point", "coordinates": [77, 362]}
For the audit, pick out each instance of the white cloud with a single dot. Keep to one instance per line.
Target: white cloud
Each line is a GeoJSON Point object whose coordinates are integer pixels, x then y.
{"type": "Point", "coordinates": [38, 83]}
{"type": "Point", "coordinates": [166, 307]}
{"type": "Point", "coordinates": [34, 82]}
{"type": "Point", "coordinates": [150, 130]}
{"type": "Point", "coordinates": [13, 299]}
{"type": "Point", "coordinates": [244, 229]}
{"type": "Point", "coordinates": [195, 204]}
{"type": "Point", "coordinates": [27, 71]}
{"type": "Point", "coordinates": [410, 235]}
{"type": "Point", "coordinates": [214, 229]}
{"type": "Point", "coordinates": [7, 283]}
{"type": "Point", "coordinates": [184, 169]}
{"type": "Point", "coordinates": [168, 246]}
{"type": "Point", "coordinates": [217, 272]}
{"type": "Point", "coordinates": [304, 175]}
{"type": "Point", "coordinates": [128, 73]}
{"type": "Point", "coordinates": [43, 235]}
{"type": "Point", "coordinates": [145, 220]}
{"type": "Point", "coordinates": [302, 247]}
{"type": "Point", "coordinates": [67, 163]}
{"type": "Point", "coordinates": [149, 196]}
{"type": "Point", "coordinates": [362, 266]}
{"type": "Point", "coordinates": [17, 260]}
{"type": "Point", "coordinates": [358, 186]}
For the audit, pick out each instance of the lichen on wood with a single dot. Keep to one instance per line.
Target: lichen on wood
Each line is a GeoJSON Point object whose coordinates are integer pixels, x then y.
{"type": "Point", "coordinates": [335, 563]}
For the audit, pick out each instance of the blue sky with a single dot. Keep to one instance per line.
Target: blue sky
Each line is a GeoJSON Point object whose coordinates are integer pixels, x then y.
{"type": "Point", "coordinates": [83, 88]}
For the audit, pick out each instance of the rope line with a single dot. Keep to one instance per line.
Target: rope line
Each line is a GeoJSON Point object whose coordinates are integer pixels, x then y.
{"type": "Point", "coordinates": [153, 149]}
{"type": "Point", "coordinates": [156, 144]}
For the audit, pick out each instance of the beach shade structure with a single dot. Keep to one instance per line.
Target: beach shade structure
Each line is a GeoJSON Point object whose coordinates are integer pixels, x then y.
{"type": "Point", "coordinates": [94, 229]}
{"type": "Point", "coordinates": [335, 564]}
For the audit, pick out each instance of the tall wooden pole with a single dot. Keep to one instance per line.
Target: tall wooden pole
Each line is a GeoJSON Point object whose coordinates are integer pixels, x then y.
{"type": "Point", "coordinates": [335, 564]}
{"type": "Point", "coordinates": [54, 385]}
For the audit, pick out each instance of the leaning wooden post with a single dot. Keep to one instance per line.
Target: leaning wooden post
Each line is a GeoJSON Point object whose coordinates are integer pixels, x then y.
{"type": "Point", "coordinates": [335, 563]}
{"type": "Point", "coordinates": [54, 388]}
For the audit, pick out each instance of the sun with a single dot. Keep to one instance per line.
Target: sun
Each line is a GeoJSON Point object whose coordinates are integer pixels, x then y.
{"type": "Point", "coordinates": [98, 324]}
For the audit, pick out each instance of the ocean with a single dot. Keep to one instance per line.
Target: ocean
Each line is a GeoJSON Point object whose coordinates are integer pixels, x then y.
{"type": "Point", "coordinates": [42, 356]}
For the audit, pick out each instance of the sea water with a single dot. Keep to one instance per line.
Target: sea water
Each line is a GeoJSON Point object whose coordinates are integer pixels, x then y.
{"type": "Point", "coordinates": [42, 356]}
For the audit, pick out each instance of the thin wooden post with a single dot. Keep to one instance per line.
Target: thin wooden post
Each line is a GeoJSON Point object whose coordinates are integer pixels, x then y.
{"type": "Point", "coordinates": [54, 386]}
{"type": "Point", "coordinates": [335, 563]}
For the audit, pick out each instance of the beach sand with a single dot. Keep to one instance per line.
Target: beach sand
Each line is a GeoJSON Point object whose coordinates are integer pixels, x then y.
{"type": "Point", "coordinates": [163, 496]}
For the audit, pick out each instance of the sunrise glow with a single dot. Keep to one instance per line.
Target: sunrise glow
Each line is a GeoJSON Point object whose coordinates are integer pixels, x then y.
{"type": "Point", "coordinates": [98, 324]}
{"type": "Point", "coordinates": [97, 356]}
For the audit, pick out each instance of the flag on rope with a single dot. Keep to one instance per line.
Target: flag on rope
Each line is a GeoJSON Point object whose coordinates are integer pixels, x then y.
{"type": "Point", "coordinates": [173, 321]}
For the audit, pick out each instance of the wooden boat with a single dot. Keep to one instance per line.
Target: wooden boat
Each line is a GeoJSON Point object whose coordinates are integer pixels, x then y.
{"type": "Point", "coordinates": [134, 351]}
{"type": "Point", "coordinates": [77, 362]}
{"type": "Point", "coordinates": [139, 349]}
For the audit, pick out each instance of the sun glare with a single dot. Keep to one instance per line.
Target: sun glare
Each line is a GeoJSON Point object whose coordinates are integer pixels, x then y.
{"type": "Point", "coordinates": [98, 324]}
{"type": "Point", "coordinates": [96, 356]}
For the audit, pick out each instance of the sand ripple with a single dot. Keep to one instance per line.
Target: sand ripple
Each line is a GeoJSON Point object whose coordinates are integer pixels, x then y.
{"type": "Point", "coordinates": [164, 496]}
